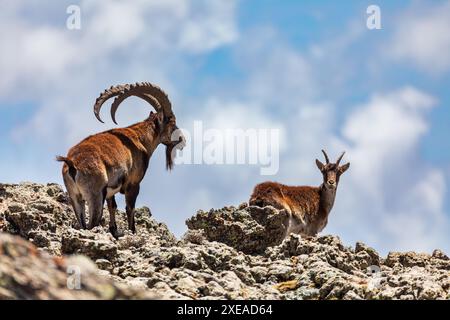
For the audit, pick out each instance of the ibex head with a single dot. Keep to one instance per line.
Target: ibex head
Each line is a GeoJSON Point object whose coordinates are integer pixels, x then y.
{"type": "Point", "coordinates": [171, 137]}
{"type": "Point", "coordinates": [165, 122]}
{"type": "Point", "coordinates": [331, 171]}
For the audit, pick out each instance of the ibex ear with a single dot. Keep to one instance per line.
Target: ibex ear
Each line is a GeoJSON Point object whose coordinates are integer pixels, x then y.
{"type": "Point", "coordinates": [319, 165]}
{"type": "Point", "coordinates": [344, 168]}
{"type": "Point", "coordinates": [159, 122]}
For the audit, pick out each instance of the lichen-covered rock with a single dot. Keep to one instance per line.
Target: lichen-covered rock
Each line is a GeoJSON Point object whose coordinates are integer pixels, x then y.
{"type": "Point", "coordinates": [230, 253]}
{"type": "Point", "coordinates": [95, 246]}
{"type": "Point", "coordinates": [26, 273]}
{"type": "Point", "coordinates": [247, 228]}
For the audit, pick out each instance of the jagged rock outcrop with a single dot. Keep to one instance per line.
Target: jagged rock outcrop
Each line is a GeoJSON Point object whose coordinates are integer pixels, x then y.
{"type": "Point", "coordinates": [231, 253]}
{"type": "Point", "coordinates": [26, 273]}
{"type": "Point", "coordinates": [248, 229]}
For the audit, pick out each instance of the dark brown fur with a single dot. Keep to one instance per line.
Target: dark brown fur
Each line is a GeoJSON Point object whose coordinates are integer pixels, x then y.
{"type": "Point", "coordinates": [131, 146]}
{"type": "Point", "coordinates": [117, 160]}
{"type": "Point", "coordinates": [280, 196]}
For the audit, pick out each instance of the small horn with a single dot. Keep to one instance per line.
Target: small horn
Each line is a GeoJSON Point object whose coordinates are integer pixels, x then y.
{"type": "Point", "coordinates": [326, 156]}
{"type": "Point", "coordinates": [340, 158]}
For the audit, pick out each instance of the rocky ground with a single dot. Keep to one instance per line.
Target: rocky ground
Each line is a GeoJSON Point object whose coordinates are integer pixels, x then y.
{"type": "Point", "coordinates": [230, 253]}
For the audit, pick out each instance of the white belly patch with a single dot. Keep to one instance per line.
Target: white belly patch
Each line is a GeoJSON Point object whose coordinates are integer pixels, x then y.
{"type": "Point", "coordinates": [295, 226]}
{"type": "Point", "coordinates": [112, 191]}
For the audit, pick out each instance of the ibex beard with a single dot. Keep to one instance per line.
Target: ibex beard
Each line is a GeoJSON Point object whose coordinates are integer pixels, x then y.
{"type": "Point", "coordinates": [116, 160]}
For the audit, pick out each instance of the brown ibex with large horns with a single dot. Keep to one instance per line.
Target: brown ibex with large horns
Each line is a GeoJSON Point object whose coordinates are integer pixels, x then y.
{"type": "Point", "coordinates": [308, 207]}
{"type": "Point", "coordinates": [116, 160]}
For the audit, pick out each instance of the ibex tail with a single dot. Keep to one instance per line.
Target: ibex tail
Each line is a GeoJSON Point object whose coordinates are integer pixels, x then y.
{"type": "Point", "coordinates": [72, 169]}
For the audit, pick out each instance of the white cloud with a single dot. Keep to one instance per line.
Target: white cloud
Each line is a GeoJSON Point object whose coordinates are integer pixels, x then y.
{"type": "Point", "coordinates": [432, 189]}
{"type": "Point", "coordinates": [387, 128]}
{"type": "Point", "coordinates": [278, 75]}
{"type": "Point", "coordinates": [37, 55]}
{"type": "Point", "coordinates": [62, 72]}
{"type": "Point", "coordinates": [227, 126]}
{"type": "Point", "coordinates": [422, 37]}
{"type": "Point", "coordinates": [421, 225]}
{"type": "Point", "coordinates": [117, 24]}
{"type": "Point", "coordinates": [32, 56]}
{"type": "Point", "coordinates": [202, 32]}
{"type": "Point", "coordinates": [392, 197]}
{"type": "Point", "coordinates": [310, 130]}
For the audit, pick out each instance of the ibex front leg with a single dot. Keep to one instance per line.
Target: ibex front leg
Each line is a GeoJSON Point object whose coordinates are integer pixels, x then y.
{"type": "Point", "coordinates": [95, 204]}
{"type": "Point", "coordinates": [78, 205]}
{"type": "Point", "coordinates": [130, 199]}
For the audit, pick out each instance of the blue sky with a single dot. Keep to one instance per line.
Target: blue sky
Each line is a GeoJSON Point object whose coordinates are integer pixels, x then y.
{"type": "Point", "coordinates": [311, 69]}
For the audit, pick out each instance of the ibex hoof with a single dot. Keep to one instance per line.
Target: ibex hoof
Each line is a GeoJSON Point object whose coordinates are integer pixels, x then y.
{"type": "Point", "coordinates": [82, 227]}
{"type": "Point", "coordinates": [81, 224]}
{"type": "Point", "coordinates": [115, 233]}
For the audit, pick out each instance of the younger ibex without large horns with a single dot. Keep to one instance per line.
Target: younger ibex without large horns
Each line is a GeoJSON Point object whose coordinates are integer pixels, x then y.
{"type": "Point", "coordinates": [308, 207]}
{"type": "Point", "coordinates": [116, 160]}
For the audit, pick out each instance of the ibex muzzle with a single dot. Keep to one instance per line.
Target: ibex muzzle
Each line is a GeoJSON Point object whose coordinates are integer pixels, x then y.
{"type": "Point", "coordinates": [116, 160]}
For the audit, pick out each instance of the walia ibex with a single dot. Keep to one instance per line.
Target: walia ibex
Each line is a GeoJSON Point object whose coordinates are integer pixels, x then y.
{"type": "Point", "coordinates": [308, 207]}
{"type": "Point", "coordinates": [116, 160]}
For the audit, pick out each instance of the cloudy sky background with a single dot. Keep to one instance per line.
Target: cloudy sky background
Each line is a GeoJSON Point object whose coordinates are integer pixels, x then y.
{"type": "Point", "coordinates": [312, 70]}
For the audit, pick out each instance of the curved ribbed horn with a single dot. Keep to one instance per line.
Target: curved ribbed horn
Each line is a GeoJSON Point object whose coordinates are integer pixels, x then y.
{"type": "Point", "coordinates": [326, 156]}
{"type": "Point", "coordinates": [340, 158]}
{"type": "Point", "coordinates": [108, 93]}
{"type": "Point", "coordinates": [145, 90]}
{"type": "Point", "coordinates": [118, 100]}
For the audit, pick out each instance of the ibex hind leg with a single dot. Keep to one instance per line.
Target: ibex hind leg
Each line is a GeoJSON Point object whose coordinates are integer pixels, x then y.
{"type": "Point", "coordinates": [78, 205]}
{"type": "Point", "coordinates": [112, 207]}
{"type": "Point", "coordinates": [131, 194]}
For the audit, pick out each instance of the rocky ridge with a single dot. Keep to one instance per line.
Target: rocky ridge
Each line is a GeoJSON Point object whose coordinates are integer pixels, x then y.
{"type": "Point", "coordinates": [230, 253]}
